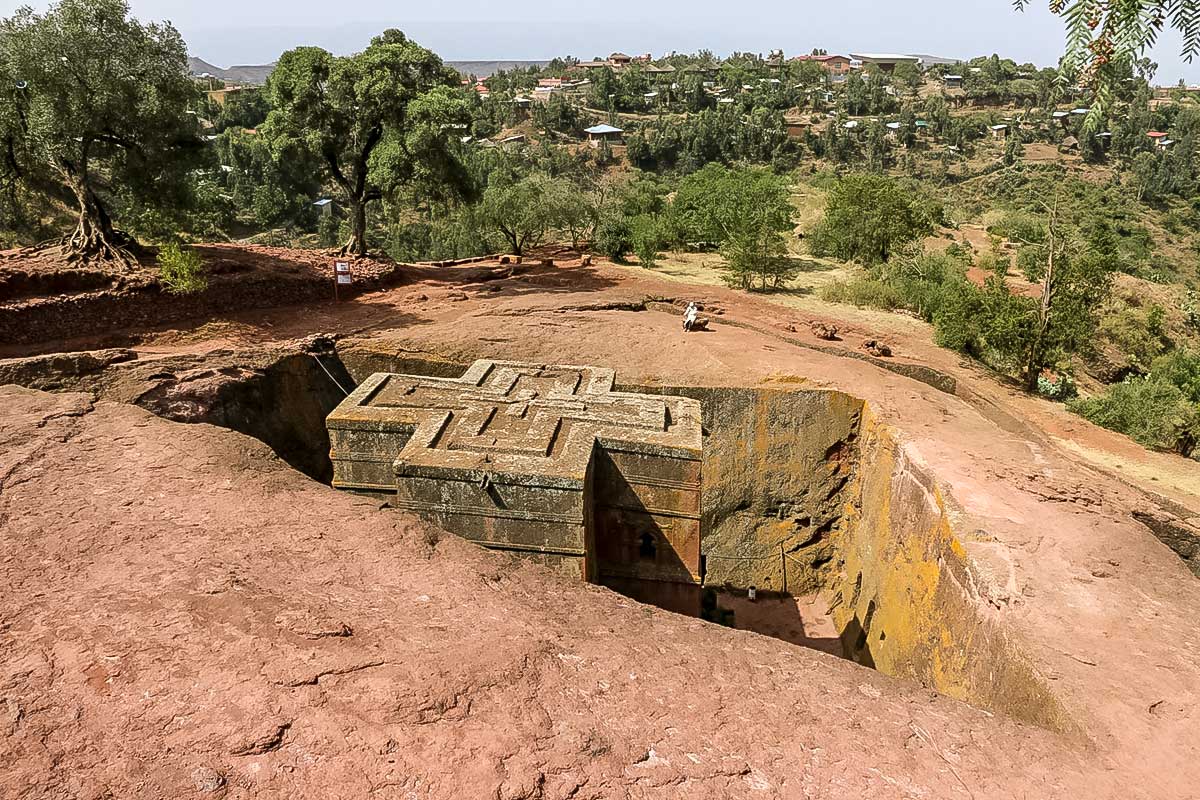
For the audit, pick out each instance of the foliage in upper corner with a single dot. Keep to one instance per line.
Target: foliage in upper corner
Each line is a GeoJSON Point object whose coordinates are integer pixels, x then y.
{"type": "Point", "coordinates": [1105, 36]}
{"type": "Point", "coordinates": [181, 270]}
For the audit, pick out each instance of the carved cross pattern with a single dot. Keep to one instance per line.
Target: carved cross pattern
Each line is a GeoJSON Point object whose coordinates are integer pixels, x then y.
{"type": "Point", "coordinates": [524, 418]}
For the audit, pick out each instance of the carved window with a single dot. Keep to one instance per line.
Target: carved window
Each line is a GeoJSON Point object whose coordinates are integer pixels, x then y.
{"type": "Point", "coordinates": [647, 547]}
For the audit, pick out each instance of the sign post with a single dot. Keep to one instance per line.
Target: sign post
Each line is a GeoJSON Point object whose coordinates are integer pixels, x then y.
{"type": "Point", "coordinates": [341, 277]}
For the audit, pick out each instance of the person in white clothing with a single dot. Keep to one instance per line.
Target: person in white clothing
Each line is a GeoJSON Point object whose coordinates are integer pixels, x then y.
{"type": "Point", "coordinates": [689, 317]}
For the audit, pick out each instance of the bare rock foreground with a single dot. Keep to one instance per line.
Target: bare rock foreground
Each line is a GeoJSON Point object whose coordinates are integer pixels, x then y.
{"type": "Point", "coordinates": [185, 616]}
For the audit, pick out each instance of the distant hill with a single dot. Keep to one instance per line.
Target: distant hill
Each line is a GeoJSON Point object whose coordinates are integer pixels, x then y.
{"type": "Point", "coordinates": [257, 75]}
{"type": "Point", "coordinates": [485, 69]}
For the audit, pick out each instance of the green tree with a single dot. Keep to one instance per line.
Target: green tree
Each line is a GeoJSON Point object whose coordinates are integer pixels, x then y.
{"type": "Point", "coordinates": [526, 210]}
{"type": "Point", "coordinates": [91, 100]}
{"type": "Point", "coordinates": [1145, 169]}
{"type": "Point", "coordinates": [746, 211]}
{"type": "Point", "coordinates": [908, 75]}
{"type": "Point", "coordinates": [868, 218]}
{"type": "Point", "coordinates": [1077, 279]}
{"type": "Point", "coordinates": [276, 193]}
{"type": "Point", "coordinates": [247, 108]}
{"type": "Point", "coordinates": [1014, 149]}
{"type": "Point", "coordinates": [374, 122]}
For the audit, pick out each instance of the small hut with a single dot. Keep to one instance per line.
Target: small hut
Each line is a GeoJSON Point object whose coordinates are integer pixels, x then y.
{"type": "Point", "coordinates": [604, 133]}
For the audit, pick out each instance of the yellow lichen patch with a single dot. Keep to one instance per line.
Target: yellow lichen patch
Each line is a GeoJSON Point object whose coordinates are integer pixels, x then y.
{"type": "Point", "coordinates": [903, 605]}
{"type": "Point", "coordinates": [779, 378]}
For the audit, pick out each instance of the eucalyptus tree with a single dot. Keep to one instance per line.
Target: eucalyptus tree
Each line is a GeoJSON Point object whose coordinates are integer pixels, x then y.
{"type": "Point", "coordinates": [94, 103]}
{"type": "Point", "coordinates": [371, 123]}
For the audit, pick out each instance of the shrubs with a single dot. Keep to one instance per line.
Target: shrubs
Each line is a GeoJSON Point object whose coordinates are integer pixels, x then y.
{"type": "Point", "coordinates": [613, 236]}
{"type": "Point", "coordinates": [1137, 334]}
{"type": "Point", "coordinates": [1161, 410]}
{"type": "Point", "coordinates": [928, 285]}
{"type": "Point", "coordinates": [181, 270]}
{"type": "Point", "coordinates": [1152, 411]}
{"type": "Point", "coordinates": [646, 239]}
{"type": "Point", "coordinates": [864, 293]}
{"type": "Point", "coordinates": [1056, 386]}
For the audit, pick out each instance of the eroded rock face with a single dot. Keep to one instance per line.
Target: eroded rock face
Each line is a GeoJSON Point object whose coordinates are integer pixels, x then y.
{"type": "Point", "coordinates": [942, 604]}
{"type": "Point", "coordinates": [60, 370]}
{"type": "Point", "coordinates": [249, 632]}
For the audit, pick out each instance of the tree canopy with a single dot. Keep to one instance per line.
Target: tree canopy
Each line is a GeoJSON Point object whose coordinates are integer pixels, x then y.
{"type": "Point", "coordinates": [868, 218]}
{"type": "Point", "coordinates": [746, 212]}
{"type": "Point", "coordinates": [93, 104]}
{"type": "Point", "coordinates": [371, 122]}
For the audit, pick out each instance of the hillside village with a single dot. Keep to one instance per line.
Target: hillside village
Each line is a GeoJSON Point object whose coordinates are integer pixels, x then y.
{"type": "Point", "coordinates": [992, 140]}
{"type": "Point", "coordinates": [692, 425]}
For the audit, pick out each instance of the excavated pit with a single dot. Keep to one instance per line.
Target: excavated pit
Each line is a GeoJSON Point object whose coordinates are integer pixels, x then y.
{"type": "Point", "coordinates": [849, 545]}
{"type": "Point", "coordinates": [806, 497]}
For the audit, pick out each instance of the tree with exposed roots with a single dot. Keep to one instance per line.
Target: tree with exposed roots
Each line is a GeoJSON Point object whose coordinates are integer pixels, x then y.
{"type": "Point", "coordinates": [93, 101]}
{"type": "Point", "coordinates": [373, 122]}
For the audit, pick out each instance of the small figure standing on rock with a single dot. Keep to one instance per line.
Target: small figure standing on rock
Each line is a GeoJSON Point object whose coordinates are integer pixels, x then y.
{"type": "Point", "coordinates": [690, 316]}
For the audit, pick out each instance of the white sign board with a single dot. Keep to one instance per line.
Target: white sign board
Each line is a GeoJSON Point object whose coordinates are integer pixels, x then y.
{"type": "Point", "coordinates": [344, 279]}
{"type": "Point", "coordinates": [341, 267]}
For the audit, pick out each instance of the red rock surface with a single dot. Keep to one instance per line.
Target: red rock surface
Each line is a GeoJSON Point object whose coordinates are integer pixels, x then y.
{"type": "Point", "coordinates": [165, 580]}
{"type": "Point", "coordinates": [186, 617]}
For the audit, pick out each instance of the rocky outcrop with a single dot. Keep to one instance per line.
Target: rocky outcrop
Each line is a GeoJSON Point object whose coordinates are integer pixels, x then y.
{"type": "Point", "coordinates": [185, 610]}
{"type": "Point", "coordinates": [60, 370]}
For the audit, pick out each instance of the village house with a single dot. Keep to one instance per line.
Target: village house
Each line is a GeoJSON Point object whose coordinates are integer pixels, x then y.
{"type": "Point", "coordinates": [1161, 140]}
{"type": "Point", "coordinates": [796, 129]}
{"type": "Point", "coordinates": [619, 61]}
{"type": "Point", "coordinates": [838, 67]}
{"type": "Point", "coordinates": [604, 133]}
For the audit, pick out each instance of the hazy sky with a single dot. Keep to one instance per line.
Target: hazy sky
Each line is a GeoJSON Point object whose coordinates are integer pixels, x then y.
{"type": "Point", "coordinates": [226, 32]}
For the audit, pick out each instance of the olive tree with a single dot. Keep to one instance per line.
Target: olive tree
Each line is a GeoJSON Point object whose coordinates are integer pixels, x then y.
{"type": "Point", "coordinates": [372, 123]}
{"type": "Point", "coordinates": [93, 102]}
